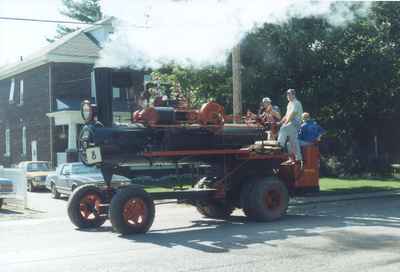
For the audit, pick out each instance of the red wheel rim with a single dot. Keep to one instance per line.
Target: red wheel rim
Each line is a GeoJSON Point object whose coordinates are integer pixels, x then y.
{"type": "Point", "coordinates": [89, 206]}
{"type": "Point", "coordinates": [273, 199]}
{"type": "Point", "coordinates": [135, 212]}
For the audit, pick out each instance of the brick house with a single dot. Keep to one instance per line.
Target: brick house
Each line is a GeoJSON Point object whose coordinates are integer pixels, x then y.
{"type": "Point", "coordinates": [40, 97]}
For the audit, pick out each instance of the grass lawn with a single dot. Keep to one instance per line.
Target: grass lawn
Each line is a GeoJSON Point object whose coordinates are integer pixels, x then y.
{"type": "Point", "coordinates": [152, 189]}
{"type": "Point", "coordinates": [332, 185]}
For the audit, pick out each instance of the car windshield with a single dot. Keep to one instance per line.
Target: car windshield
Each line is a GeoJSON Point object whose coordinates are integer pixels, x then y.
{"type": "Point", "coordinates": [38, 166]}
{"type": "Point", "coordinates": [82, 169]}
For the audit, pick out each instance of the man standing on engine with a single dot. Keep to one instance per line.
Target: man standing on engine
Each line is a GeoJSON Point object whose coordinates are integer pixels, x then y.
{"type": "Point", "coordinates": [291, 123]}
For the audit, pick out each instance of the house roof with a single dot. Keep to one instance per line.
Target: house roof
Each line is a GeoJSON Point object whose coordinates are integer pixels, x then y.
{"type": "Point", "coordinates": [79, 46]}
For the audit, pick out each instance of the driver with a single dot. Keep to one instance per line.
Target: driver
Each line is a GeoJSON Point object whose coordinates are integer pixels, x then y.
{"type": "Point", "coordinates": [269, 114]}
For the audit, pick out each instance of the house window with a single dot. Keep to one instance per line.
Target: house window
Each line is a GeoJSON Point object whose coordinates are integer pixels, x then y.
{"type": "Point", "coordinates": [21, 92]}
{"type": "Point", "coordinates": [24, 141]}
{"type": "Point", "coordinates": [93, 86]}
{"type": "Point", "coordinates": [116, 93]}
{"type": "Point", "coordinates": [12, 89]}
{"type": "Point", "coordinates": [7, 137]}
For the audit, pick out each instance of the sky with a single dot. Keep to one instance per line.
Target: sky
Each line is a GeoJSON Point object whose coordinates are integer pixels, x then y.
{"type": "Point", "coordinates": [19, 38]}
{"type": "Point", "coordinates": [177, 30]}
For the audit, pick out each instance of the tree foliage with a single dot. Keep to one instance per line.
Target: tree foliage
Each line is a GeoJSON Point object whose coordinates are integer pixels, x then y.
{"type": "Point", "coordinates": [88, 11]}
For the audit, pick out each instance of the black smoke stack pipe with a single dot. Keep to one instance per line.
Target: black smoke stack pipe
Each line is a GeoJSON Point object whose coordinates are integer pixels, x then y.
{"type": "Point", "coordinates": [103, 83]}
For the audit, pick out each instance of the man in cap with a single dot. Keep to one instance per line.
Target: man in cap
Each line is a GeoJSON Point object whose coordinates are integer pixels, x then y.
{"type": "Point", "coordinates": [270, 115]}
{"type": "Point", "coordinates": [291, 123]}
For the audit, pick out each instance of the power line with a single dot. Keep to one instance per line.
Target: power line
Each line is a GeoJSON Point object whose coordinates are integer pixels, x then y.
{"type": "Point", "coordinates": [61, 21]}
{"type": "Point", "coordinates": [49, 21]}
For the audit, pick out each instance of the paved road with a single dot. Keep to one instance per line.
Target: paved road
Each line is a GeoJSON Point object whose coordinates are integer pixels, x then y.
{"type": "Point", "coordinates": [362, 235]}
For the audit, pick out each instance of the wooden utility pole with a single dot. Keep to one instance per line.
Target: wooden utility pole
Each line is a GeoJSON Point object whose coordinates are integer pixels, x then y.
{"type": "Point", "coordinates": [237, 83]}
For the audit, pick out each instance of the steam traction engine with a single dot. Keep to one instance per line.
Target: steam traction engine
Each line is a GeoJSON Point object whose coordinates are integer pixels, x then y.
{"type": "Point", "coordinates": [244, 170]}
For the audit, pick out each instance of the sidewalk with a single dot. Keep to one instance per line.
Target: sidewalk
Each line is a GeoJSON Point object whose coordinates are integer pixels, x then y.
{"type": "Point", "coordinates": [341, 197]}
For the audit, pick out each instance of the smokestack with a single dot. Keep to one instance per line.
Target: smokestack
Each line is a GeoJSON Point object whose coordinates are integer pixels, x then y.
{"type": "Point", "coordinates": [103, 83]}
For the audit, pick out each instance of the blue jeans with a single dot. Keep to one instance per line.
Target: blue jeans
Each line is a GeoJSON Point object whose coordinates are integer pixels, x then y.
{"type": "Point", "coordinates": [289, 132]}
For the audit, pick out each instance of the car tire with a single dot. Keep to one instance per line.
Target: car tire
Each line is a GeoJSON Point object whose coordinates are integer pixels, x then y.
{"type": "Point", "coordinates": [84, 208]}
{"type": "Point", "coordinates": [265, 200]}
{"type": "Point", "coordinates": [1, 202]}
{"type": "Point", "coordinates": [54, 193]}
{"type": "Point", "coordinates": [30, 187]}
{"type": "Point", "coordinates": [132, 210]}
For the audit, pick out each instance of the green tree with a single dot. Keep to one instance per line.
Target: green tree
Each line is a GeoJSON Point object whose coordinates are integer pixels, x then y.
{"type": "Point", "coordinates": [200, 84]}
{"type": "Point", "coordinates": [346, 76]}
{"type": "Point", "coordinates": [88, 11]}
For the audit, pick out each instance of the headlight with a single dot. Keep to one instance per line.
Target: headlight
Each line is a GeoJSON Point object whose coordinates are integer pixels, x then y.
{"type": "Point", "coordinates": [122, 182]}
{"type": "Point", "coordinates": [88, 111]}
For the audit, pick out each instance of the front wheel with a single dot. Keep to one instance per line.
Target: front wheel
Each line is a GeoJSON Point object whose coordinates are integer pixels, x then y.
{"type": "Point", "coordinates": [30, 187]}
{"type": "Point", "coordinates": [132, 210]}
{"type": "Point", "coordinates": [1, 202]}
{"type": "Point", "coordinates": [54, 193]}
{"type": "Point", "coordinates": [85, 209]}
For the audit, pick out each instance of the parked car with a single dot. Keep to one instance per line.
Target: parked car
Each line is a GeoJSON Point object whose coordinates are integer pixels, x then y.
{"type": "Point", "coordinates": [6, 189]}
{"type": "Point", "coordinates": [36, 173]}
{"type": "Point", "coordinates": [69, 176]}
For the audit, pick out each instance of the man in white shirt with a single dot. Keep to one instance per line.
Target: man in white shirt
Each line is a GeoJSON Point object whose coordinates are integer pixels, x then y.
{"type": "Point", "coordinates": [291, 123]}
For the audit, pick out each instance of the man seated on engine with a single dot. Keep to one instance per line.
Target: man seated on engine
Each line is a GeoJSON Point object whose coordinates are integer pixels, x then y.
{"type": "Point", "coordinates": [267, 115]}
{"type": "Point", "coordinates": [310, 132]}
{"type": "Point", "coordinates": [270, 115]}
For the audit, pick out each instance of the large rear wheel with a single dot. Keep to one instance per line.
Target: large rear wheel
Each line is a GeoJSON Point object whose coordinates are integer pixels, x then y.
{"type": "Point", "coordinates": [265, 200]}
{"type": "Point", "coordinates": [132, 210]}
{"type": "Point", "coordinates": [85, 209]}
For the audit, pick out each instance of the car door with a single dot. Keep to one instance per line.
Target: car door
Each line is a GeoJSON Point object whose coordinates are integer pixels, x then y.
{"type": "Point", "coordinates": [64, 178]}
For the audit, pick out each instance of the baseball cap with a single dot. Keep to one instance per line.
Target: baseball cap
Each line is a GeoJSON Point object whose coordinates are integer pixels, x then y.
{"type": "Point", "coordinates": [266, 100]}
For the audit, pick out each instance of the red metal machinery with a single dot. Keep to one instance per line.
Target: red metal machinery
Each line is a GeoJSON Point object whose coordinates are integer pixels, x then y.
{"type": "Point", "coordinates": [245, 171]}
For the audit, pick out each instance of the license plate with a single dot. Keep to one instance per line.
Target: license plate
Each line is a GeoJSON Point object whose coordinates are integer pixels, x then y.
{"type": "Point", "coordinates": [93, 155]}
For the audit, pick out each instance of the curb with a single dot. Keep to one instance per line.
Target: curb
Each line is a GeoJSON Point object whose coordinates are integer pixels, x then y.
{"type": "Point", "coordinates": [342, 197]}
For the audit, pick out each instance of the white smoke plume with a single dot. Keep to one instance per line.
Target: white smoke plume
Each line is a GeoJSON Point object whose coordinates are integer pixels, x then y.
{"type": "Point", "coordinates": [199, 32]}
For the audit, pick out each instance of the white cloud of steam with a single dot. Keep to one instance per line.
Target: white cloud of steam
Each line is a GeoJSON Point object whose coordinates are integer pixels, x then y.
{"type": "Point", "coordinates": [198, 32]}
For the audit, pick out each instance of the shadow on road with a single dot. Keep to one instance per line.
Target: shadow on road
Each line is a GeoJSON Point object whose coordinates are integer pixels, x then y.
{"type": "Point", "coordinates": [218, 236]}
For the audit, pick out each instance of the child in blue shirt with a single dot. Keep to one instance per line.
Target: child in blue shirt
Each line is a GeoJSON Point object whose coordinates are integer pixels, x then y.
{"type": "Point", "coordinates": [310, 132]}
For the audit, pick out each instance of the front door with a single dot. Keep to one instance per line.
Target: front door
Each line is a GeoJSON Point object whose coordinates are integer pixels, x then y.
{"type": "Point", "coordinates": [34, 150]}
{"type": "Point", "coordinates": [63, 179]}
